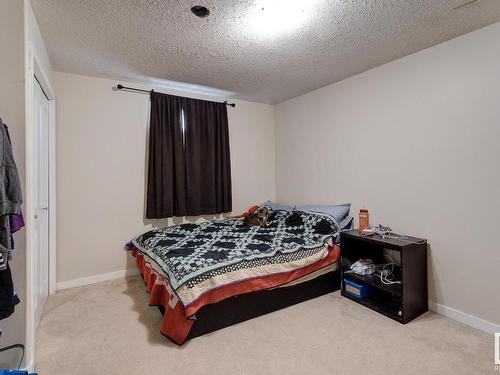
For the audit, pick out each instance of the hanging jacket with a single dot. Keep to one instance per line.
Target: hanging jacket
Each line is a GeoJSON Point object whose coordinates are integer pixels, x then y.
{"type": "Point", "coordinates": [10, 193]}
{"type": "Point", "coordinates": [10, 185]}
{"type": "Point", "coordinates": [16, 220]}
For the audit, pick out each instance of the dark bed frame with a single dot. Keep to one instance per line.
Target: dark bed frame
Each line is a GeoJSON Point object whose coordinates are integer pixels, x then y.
{"type": "Point", "coordinates": [243, 307]}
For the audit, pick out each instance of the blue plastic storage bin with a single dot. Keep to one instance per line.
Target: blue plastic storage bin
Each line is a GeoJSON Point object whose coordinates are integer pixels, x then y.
{"type": "Point", "coordinates": [357, 289]}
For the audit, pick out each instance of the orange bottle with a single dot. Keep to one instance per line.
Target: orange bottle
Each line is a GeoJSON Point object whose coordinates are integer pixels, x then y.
{"type": "Point", "coordinates": [364, 219]}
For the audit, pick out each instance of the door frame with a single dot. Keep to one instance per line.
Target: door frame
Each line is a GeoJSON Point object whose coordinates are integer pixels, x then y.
{"type": "Point", "coordinates": [35, 69]}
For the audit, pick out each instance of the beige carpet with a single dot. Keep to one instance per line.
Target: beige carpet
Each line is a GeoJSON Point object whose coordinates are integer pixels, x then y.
{"type": "Point", "coordinates": [108, 328]}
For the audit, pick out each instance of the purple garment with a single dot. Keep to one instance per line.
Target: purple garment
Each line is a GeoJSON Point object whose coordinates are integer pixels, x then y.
{"type": "Point", "coordinates": [16, 222]}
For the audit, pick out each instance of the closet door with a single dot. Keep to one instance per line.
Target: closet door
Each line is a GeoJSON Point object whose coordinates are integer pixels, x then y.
{"type": "Point", "coordinates": [41, 199]}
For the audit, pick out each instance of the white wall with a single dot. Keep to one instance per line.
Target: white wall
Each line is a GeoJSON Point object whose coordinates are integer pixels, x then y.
{"type": "Point", "coordinates": [35, 41]}
{"type": "Point", "coordinates": [12, 113]}
{"type": "Point", "coordinates": [101, 139]}
{"type": "Point", "coordinates": [416, 142]}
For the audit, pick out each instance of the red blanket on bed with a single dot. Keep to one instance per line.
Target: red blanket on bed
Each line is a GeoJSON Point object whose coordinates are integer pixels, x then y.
{"type": "Point", "coordinates": [176, 320]}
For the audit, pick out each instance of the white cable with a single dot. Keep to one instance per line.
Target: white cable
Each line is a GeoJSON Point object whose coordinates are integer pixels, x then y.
{"type": "Point", "coordinates": [387, 280]}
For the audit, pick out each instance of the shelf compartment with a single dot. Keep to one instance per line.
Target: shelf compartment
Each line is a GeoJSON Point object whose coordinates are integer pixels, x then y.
{"type": "Point", "coordinates": [374, 281]}
{"type": "Point", "coordinates": [379, 305]}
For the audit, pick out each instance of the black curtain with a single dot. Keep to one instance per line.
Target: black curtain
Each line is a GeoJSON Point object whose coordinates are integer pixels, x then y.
{"type": "Point", "coordinates": [208, 169]}
{"type": "Point", "coordinates": [189, 170]}
{"type": "Point", "coordinates": [166, 172]}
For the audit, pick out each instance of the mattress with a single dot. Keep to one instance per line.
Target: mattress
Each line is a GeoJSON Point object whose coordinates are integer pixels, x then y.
{"type": "Point", "coordinates": [250, 275]}
{"type": "Point", "coordinates": [322, 271]}
{"type": "Point", "coordinates": [192, 254]}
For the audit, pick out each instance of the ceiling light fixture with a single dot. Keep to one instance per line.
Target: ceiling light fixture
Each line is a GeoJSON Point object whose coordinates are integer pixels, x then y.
{"type": "Point", "coordinates": [200, 11]}
{"type": "Point", "coordinates": [274, 17]}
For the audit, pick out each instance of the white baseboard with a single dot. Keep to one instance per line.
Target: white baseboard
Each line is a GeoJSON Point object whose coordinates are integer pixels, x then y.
{"type": "Point", "coordinates": [464, 318]}
{"type": "Point", "coordinates": [96, 279]}
{"type": "Point", "coordinates": [29, 367]}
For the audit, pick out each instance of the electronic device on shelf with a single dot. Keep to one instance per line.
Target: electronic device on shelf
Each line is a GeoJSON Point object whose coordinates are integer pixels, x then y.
{"type": "Point", "coordinates": [388, 273]}
{"type": "Point", "coordinates": [364, 267]}
{"type": "Point", "coordinates": [382, 230]}
{"type": "Point", "coordinates": [385, 231]}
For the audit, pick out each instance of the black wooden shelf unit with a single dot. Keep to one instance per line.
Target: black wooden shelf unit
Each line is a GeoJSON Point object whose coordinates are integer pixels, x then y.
{"type": "Point", "coordinates": [401, 302]}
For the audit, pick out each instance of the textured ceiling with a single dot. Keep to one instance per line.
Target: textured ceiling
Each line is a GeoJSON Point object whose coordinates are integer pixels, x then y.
{"type": "Point", "coordinates": [146, 40]}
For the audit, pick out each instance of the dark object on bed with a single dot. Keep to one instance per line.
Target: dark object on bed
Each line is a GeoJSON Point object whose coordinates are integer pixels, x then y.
{"type": "Point", "coordinates": [243, 307]}
{"type": "Point", "coordinates": [259, 217]}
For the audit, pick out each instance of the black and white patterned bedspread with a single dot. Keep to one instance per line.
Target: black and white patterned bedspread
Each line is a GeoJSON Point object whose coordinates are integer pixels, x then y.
{"type": "Point", "coordinates": [186, 251]}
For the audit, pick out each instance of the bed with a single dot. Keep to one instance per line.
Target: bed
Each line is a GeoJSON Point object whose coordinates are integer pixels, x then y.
{"type": "Point", "coordinates": [210, 275]}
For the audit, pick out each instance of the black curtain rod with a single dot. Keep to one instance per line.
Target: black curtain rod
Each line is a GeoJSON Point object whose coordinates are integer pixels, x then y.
{"type": "Point", "coordinates": [121, 87]}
